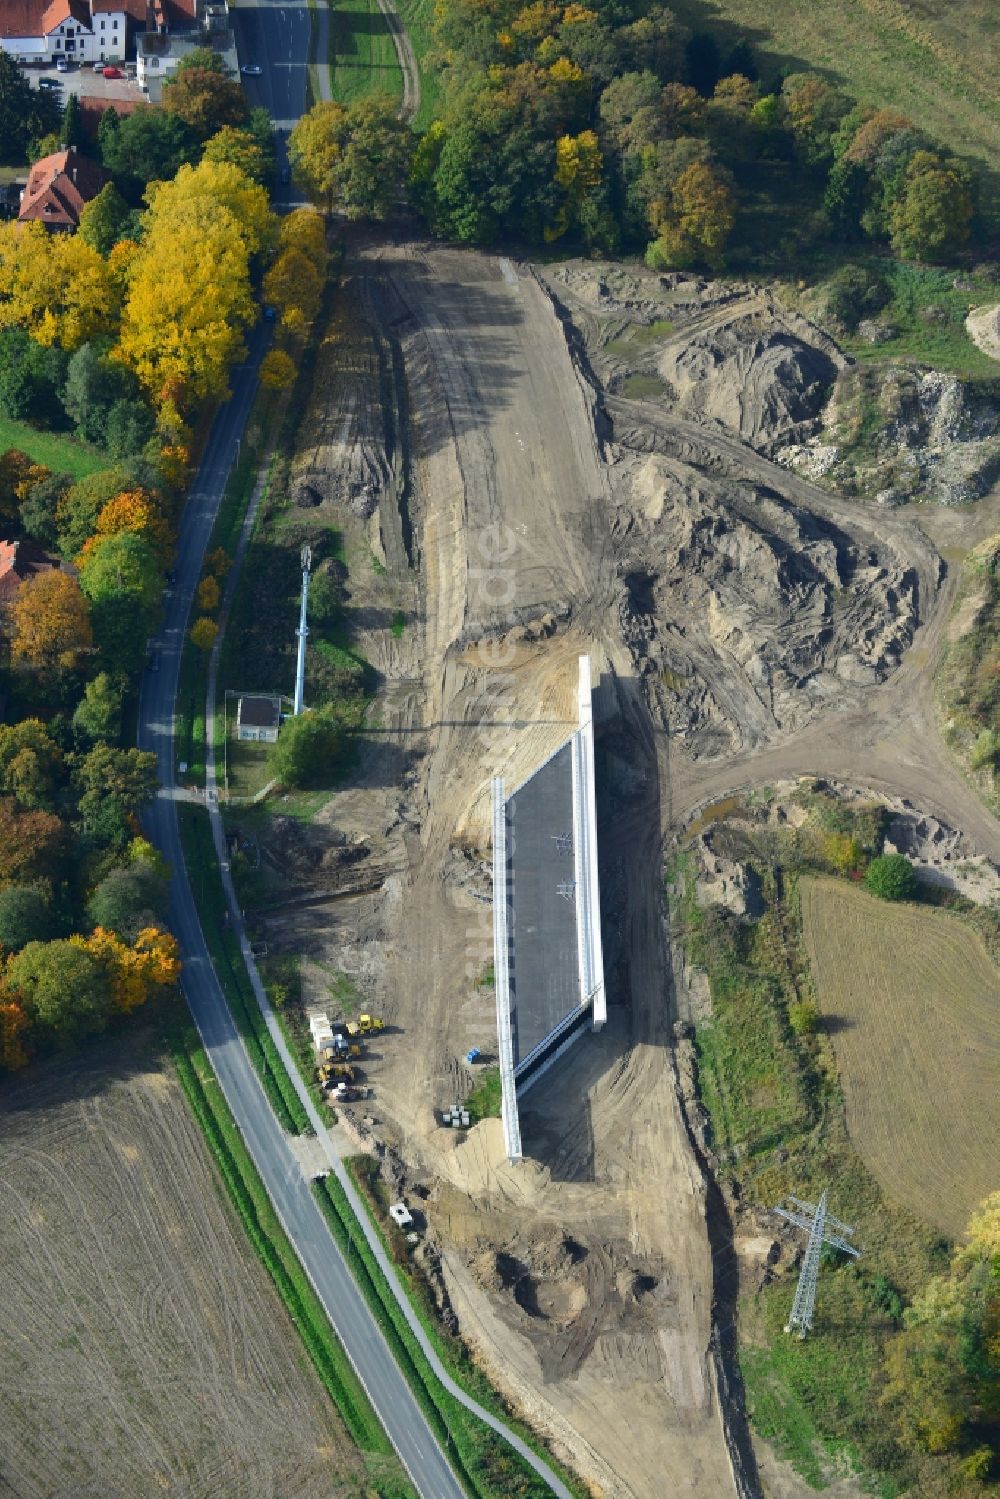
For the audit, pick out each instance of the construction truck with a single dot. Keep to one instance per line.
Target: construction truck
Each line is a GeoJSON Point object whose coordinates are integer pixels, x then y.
{"type": "Point", "coordinates": [368, 1023]}
{"type": "Point", "coordinates": [339, 1049]}
{"type": "Point", "coordinates": [332, 1070]}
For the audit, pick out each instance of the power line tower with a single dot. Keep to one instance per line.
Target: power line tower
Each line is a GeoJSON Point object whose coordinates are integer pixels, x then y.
{"type": "Point", "coordinates": [302, 632]}
{"type": "Point", "coordinates": [822, 1228]}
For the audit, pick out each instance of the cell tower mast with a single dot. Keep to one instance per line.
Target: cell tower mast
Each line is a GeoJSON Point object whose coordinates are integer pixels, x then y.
{"type": "Point", "coordinates": [302, 632]}
{"type": "Point", "coordinates": [823, 1229]}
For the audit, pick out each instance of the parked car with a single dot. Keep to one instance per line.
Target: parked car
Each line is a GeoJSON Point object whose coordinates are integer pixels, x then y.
{"type": "Point", "coordinates": [49, 83]}
{"type": "Point", "coordinates": [113, 73]}
{"type": "Point", "coordinates": [62, 66]}
{"type": "Point", "coordinates": [251, 69]}
{"type": "Point", "coordinates": [98, 67]}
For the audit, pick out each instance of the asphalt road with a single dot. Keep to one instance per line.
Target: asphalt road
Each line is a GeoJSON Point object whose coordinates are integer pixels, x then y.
{"type": "Point", "coordinates": [274, 34]}
{"type": "Point", "coordinates": [389, 1393]}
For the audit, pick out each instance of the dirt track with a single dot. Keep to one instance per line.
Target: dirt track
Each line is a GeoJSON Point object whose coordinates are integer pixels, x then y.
{"type": "Point", "coordinates": [585, 1277]}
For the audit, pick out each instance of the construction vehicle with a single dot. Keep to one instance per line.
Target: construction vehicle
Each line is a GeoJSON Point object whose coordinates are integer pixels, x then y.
{"type": "Point", "coordinates": [332, 1070]}
{"type": "Point", "coordinates": [368, 1023]}
{"type": "Point", "coordinates": [339, 1049]}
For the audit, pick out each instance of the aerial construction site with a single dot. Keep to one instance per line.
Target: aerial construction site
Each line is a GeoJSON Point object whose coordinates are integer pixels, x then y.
{"type": "Point", "coordinates": [500, 448]}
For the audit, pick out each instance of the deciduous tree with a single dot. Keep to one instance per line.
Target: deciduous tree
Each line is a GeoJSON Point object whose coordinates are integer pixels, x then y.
{"type": "Point", "coordinates": [697, 220]}
{"type": "Point", "coordinates": [25, 916]}
{"type": "Point", "coordinates": [205, 99]}
{"type": "Point", "coordinates": [203, 633]}
{"type": "Point", "coordinates": [209, 594]}
{"type": "Point", "coordinates": [33, 845]}
{"type": "Point", "coordinates": [62, 989]}
{"type": "Point", "coordinates": [277, 370]}
{"type": "Point", "coordinates": [31, 764]}
{"type": "Point", "coordinates": [210, 187]}
{"type": "Point", "coordinates": [294, 286]}
{"type": "Point", "coordinates": [132, 972]}
{"type": "Point", "coordinates": [54, 286]}
{"type": "Point", "coordinates": [239, 148]}
{"type": "Point", "coordinates": [188, 304]}
{"type": "Point", "coordinates": [106, 219]}
{"type": "Point", "coordinates": [99, 712]}
{"type": "Point", "coordinates": [52, 631]}
{"type": "Point", "coordinates": [932, 218]}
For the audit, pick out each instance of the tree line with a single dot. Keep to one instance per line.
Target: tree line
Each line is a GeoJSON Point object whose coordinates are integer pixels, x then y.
{"type": "Point", "coordinates": [611, 126]}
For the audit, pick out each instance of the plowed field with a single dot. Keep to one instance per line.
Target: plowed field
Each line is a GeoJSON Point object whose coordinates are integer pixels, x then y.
{"type": "Point", "coordinates": [912, 999]}
{"type": "Point", "coordinates": [143, 1348]}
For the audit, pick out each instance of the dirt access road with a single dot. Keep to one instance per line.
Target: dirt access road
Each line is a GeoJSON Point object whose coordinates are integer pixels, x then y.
{"type": "Point", "coordinates": [510, 513]}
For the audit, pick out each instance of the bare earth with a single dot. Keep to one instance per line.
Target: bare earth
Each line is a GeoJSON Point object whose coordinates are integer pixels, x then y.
{"type": "Point", "coordinates": [745, 626]}
{"type": "Point", "coordinates": [143, 1346]}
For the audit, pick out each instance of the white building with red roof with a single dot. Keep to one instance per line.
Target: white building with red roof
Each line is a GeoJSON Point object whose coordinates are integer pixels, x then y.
{"type": "Point", "coordinates": [82, 31]}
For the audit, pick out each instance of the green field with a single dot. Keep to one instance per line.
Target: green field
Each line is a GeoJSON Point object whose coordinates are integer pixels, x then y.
{"type": "Point", "coordinates": [64, 455]}
{"type": "Point", "coordinates": [936, 63]}
{"type": "Point", "coordinates": [362, 56]}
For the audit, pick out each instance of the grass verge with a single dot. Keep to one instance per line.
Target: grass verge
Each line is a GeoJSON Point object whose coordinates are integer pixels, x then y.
{"type": "Point", "coordinates": [247, 1193]}
{"type": "Point", "coordinates": [227, 960]}
{"type": "Point", "coordinates": [418, 18]}
{"type": "Point", "coordinates": [487, 1466]}
{"type": "Point", "coordinates": [362, 55]}
{"type": "Point", "coordinates": [63, 455]}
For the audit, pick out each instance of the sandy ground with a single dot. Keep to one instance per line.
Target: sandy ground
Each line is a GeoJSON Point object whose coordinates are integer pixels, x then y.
{"type": "Point", "coordinates": [584, 1278]}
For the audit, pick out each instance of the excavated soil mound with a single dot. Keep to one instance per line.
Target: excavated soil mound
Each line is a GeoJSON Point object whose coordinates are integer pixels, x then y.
{"type": "Point", "coordinates": [744, 613]}
{"type": "Point", "coordinates": [983, 327]}
{"type": "Point", "coordinates": [760, 379]}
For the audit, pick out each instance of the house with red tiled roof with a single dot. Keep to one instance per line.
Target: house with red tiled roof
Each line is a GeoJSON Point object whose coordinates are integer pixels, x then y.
{"type": "Point", "coordinates": [79, 30]}
{"type": "Point", "coordinates": [20, 561]}
{"type": "Point", "coordinates": [59, 188]}
{"type": "Point", "coordinates": [93, 109]}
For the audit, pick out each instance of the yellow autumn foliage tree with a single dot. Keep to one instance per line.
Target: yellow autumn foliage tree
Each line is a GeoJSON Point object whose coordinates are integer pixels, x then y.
{"type": "Point", "coordinates": [189, 301]}
{"type": "Point", "coordinates": [215, 185]}
{"type": "Point", "coordinates": [203, 633]}
{"type": "Point", "coordinates": [133, 972]}
{"type": "Point", "coordinates": [277, 370]}
{"type": "Point", "coordinates": [578, 172]}
{"type": "Point", "coordinates": [54, 286]}
{"type": "Point", "coordinates": [134, 510]}
{"type": "Point", "coordinates": [209, 594]}
{"type": "Point", "coordinates": [294, 285]}
{"type": "Point", "coordinates": [303, 229]}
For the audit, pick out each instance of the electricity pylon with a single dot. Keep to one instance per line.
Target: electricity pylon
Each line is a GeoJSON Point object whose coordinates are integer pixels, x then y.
{"type": "Point", "coordinates": [302, 632]}
{"type": "Point", "coordinates": [823, 1228]}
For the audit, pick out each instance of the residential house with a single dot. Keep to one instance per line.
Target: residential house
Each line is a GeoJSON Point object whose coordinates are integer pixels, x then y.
{"type": "Point", "coordinates": [21, 561]}
{"type": "Point", "coordinates": [82, 31]}
{"type": "Point", "coordinates": [59, 188]}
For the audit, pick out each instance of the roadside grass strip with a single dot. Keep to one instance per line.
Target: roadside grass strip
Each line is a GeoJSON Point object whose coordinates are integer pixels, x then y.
{"type": "Point", "coordinates": [247, 1193]}
{"type": "Point", "coordinates": [363, 59]}
{"type": "Point", "coordinates": [487, 1466]}
{"type": "Point", "coordinates": [224, 949]}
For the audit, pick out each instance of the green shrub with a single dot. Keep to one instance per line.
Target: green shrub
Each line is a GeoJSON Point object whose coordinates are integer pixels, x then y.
{"type": "Point", "coordinates": [986, 751]}
{"type": "Point", "coordinates": [891, 877]}
{"type": "Point", "coordinates": [803, 1017]}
